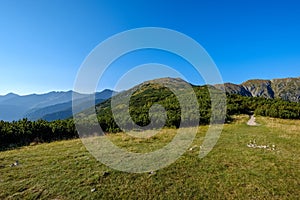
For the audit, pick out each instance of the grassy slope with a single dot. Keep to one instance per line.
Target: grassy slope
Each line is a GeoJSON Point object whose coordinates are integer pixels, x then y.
{"type": "Point", "coordinates": [65, 170]}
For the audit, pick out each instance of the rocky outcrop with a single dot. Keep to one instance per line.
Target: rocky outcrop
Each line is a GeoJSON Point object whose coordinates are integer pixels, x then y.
{"type": "Point", "coordinates": [259, 88]}
{"type": "Point", "coordinates": [287, 89]}
{"type": "Point", "coordinates": [234, 89]}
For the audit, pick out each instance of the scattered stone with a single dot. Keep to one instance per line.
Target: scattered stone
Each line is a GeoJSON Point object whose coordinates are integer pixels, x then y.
{"type": "Point", "coordinates": [15, 164]}
{"type": "Point", "coordinates": [152, 173]}
{"type": "Point", "coordinates": [93, 190]}
{"type": "Point", "coordinates": [192, 148]}
{"type": "Point", "coordinates": [252, 144]}
{"type": "Point", "coordinates": [105, 174]}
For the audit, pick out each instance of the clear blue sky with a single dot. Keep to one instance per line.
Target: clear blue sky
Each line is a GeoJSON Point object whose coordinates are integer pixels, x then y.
{"type": "Point", "coordinates": [43, 43]}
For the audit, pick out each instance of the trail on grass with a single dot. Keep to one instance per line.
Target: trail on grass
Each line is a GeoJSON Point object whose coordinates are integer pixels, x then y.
{"type": "Point", "coordinates": [252, 122]}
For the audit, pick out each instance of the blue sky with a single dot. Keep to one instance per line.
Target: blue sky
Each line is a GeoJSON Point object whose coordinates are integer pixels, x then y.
{"type": "Point", "coordinates": [43, 43]}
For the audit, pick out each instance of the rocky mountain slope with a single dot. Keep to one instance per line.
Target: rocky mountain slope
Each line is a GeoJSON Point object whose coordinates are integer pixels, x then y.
{"type": "Point", "coordinates": [287, 89]}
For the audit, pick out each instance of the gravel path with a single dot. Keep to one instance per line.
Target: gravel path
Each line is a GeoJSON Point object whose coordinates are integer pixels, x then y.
{"type": "Point", "coordinates": [252, 121]}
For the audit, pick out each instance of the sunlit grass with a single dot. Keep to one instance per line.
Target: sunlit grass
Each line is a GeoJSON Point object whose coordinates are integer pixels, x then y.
{"type": "Point", "coordinates": [66, 170]}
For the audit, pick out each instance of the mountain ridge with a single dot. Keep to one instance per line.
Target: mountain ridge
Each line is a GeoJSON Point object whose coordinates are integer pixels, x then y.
{"type": "Point", "coordinates": [284, 88]}
{"type": "Point", "coordinates": [39, 106]}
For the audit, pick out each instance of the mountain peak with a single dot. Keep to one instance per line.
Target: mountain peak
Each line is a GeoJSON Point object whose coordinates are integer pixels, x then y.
{"type": "Point", "coordinates": [256, 81]}
{"type": "Point", "coordinates": [11, 94]}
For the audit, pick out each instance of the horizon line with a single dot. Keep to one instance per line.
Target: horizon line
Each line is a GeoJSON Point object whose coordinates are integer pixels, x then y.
{"type": "Point", "coordinates": [71, 90]}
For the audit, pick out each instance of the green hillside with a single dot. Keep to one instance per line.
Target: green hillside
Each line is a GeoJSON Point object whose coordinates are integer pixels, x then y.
{"type": "Point", "coordinates": [145, 95]}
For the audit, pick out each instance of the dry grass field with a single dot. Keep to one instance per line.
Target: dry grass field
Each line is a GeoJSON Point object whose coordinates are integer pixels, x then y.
{"type": "Point", "coordinates": [270, 169]}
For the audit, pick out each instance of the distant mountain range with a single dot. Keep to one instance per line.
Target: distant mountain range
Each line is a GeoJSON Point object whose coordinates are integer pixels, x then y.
{"type": "Point", "coordinates": [58, 105]}
{"type": "Point", "coordinates": [49, 106]}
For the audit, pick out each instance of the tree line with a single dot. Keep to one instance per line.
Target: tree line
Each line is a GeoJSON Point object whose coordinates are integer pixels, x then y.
{"type": "Point", "coordinates": [25, 132]}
